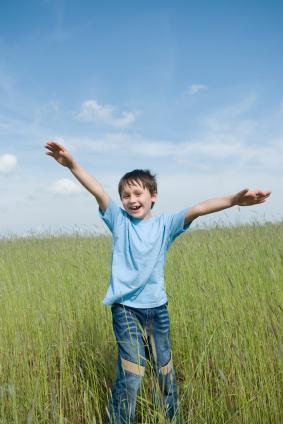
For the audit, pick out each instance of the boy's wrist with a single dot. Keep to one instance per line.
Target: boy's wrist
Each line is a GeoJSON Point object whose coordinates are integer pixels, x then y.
{"type": "Point", "coordinates": [233, 200]}
{"type": "Point", "coordinates": [73, 165]}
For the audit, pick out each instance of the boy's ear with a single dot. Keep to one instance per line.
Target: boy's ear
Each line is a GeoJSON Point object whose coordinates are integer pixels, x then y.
{"type": "Point", "coordinates": [154, 196]}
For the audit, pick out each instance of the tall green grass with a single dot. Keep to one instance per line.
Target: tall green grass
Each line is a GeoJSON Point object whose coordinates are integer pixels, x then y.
{"type": "Point", "coordinates": [58, 352]}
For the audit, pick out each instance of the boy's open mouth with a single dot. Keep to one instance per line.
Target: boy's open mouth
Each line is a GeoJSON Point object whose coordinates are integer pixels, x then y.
{"type": "Point", "coordinates": [135, 208]}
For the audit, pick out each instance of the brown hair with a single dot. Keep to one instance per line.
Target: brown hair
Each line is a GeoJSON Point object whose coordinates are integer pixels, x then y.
{"type": "Point", "coordinates": [143, 176]}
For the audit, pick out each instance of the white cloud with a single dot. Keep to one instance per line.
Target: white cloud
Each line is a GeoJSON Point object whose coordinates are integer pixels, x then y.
{"type": "Point", "coordinates": [65, 185]}
{"type": "Point", "coordinates": [91, 111]}
{"type": "Point", "coordinates": [127, 145]}
{"type": "Point", "coordinates": [7, 163]}
{"type": "Point", "coordinates": [231, 148]}
{"type": "Point", "coordinates": [230, 113]}
{"type": "Point", "coordinates": [196, 88]}
{"type": "Point", "coordinates": [281, 104]}
{"type": "Point", "coordinates": [214, 147]}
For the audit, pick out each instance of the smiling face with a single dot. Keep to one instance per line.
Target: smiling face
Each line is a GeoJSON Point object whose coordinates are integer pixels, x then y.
{"type": "Point", "coordinates": [137, 200]}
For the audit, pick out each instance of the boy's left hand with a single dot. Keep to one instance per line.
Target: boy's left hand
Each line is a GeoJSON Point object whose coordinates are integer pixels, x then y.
{"type": "Point", "coordinates": [249, 197]}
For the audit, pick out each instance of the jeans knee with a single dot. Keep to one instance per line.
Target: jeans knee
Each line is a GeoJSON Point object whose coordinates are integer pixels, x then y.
{"type": "Point", "coordinates": [167, 368]}
{"type": "Point", "coordinates": [124, 392]}
{"type": "Point", "coordinates": [129, 377]}
{"type": "Point", "coordinates": [132, 374]}
{"type": "Point", "coordinates": [167, 379]}
{"type": "Point", "coordinates": [132, 367]}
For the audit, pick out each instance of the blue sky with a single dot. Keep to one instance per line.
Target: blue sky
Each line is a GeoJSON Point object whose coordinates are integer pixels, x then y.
{"type": "Point", "coordinates": [191, 90]}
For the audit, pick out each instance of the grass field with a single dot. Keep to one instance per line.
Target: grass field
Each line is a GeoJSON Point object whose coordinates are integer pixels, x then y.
{"type": "Point", "coordinates": [57, 349]}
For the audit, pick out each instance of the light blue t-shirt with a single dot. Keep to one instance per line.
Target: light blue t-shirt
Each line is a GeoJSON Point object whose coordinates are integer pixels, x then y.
{"type": "Point", "coordinates": [139, 250]}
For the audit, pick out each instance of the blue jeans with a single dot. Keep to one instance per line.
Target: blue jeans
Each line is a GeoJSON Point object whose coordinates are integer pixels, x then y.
{"type": "Point", "coordinates": [142, 334]}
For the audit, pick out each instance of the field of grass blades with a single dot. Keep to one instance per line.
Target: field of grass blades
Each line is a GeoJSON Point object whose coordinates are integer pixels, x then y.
{"type": "Point", "coordinates": [57, 348]}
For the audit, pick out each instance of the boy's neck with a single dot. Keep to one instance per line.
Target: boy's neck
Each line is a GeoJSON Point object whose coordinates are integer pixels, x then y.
{"type": "Point", "coordinates": [145, 218]}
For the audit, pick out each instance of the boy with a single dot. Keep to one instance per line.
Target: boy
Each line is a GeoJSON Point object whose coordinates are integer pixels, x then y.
{"type": "Point", "coordinates": [136, 292]}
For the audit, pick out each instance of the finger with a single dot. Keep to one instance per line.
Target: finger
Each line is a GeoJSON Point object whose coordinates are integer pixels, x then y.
{"type": "Point", "coordinates": [265, 196]}
{"type": "Point", "coordinates": [50, 143]}
{"type": "Point", "coordinates": [55, 145]}
{"type": "Point", "coordinates": [49, 147]}
{"type": "Point", "coordinates": [243, 192]}
{"type": "Point", "coordinates": [263, 193]}
{"type": "Point", "coordinates": [59, 146]}
{"type": "Point", "coordinates": [261, 196]}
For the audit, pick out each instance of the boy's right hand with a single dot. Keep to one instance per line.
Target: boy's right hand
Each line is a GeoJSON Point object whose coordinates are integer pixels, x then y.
{"type": "Point", "coordinates": [59, 153]}
{"type": "Point", "coordinates": [62, 156]}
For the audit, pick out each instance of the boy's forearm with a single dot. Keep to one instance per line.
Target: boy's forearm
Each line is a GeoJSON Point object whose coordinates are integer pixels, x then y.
{"type": "Point", "coordinates": [210, 206]}
{"type": "Point", "coordinates": [245, 197]}
{"type": "Point", "coordinates": [90, 183]}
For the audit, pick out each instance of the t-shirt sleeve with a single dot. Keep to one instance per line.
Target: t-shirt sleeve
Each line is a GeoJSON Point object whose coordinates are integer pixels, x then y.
{"type": "Point", "coordinates": [110, 215]}
{"type": "Point", "coordinates": [176, 225]}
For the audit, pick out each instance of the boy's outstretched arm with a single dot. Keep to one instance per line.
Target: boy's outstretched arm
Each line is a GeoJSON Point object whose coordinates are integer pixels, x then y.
{"type": "Point", "coordinates": [62, 156]}
{"type": "Point", "coordinates": [245, 197]}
